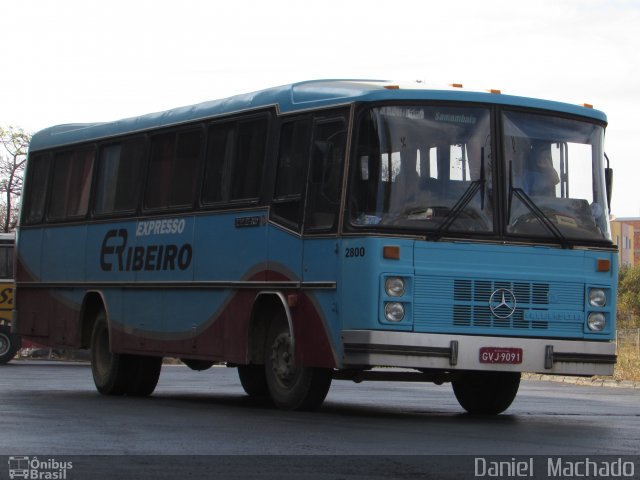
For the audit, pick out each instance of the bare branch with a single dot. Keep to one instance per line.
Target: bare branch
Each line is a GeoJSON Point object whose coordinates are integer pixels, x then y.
{"type": "Point", "coordinates": [14, 144]}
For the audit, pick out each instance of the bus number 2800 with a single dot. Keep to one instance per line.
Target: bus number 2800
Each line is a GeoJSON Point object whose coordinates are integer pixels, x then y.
{"type": "Point", "coordinates": [352, 252]}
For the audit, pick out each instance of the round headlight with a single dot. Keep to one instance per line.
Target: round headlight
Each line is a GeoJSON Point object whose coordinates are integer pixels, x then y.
{"type": "Point", "coordinates": [596, 321]}
{"type": "Point", "coordinates": [597, 297]}
{"type": "Point", "coordinates": [394, 311]}
{"type": "Point", "coordinates": [394, 286]}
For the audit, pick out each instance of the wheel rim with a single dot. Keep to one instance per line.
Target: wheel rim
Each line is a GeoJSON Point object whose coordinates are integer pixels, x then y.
{"type": "Point", "coordinates": [282, 364]}
{"type": "Point", "coordinates": [5, 344]}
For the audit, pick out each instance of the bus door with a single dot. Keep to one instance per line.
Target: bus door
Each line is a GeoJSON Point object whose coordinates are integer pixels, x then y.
{"type": "Point", "coordinates": [324, 187]}
{"type": "Point", "coordinates": [285, 233]}
{"type": "Point", "coordinates": [310, 166]}
{"type": "Point", "coordinates": [321, 244]}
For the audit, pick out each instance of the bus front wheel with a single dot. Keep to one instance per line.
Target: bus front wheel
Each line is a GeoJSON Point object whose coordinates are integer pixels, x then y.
{"type": "Point", "coordinates": [120, 374]}
{"type": "Point", "coordinates": [291, 386]}
{"type": "Point", "coordinates": [486, 393]}
{"type": "Point", "coordinates": [253, 380]}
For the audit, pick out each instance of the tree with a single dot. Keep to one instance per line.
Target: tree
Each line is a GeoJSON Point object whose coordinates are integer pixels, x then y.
{"type": "Point", "coordinates": [13, 157]}
{"type": "Point", "coordinates": [629, 297]}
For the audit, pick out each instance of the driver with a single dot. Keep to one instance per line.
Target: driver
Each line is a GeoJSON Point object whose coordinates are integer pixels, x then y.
{"type": "Point", "coordinates": [540, 178]}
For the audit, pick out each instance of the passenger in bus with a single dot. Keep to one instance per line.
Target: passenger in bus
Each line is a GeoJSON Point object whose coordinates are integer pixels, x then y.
{"type": "Point", "coordinates": [405, 191]}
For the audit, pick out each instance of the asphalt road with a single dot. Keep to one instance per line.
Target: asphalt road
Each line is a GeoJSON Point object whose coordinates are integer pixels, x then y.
{"type": "Point", "coordinates": [51, 409]}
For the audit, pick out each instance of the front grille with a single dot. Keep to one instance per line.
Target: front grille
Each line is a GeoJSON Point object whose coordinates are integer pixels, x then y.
{"type": "Point", "coordinates": [481, 290]}
{"type": "Point", "coordinates": [443, 303]}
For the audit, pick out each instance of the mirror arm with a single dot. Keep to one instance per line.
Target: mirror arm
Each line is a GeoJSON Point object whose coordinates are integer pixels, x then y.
{"type": "Point", "coordinates": [608, 180]}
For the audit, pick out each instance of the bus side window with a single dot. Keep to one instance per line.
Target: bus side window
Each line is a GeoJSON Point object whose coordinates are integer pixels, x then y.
{"type": "Point", "coordinates": [248, 169]}
{"type": "Point", "coordinates": [292, 156]}
{"type": "Point", "coordinates": [173, 169]}
{"type": "Point", "coordinates": [6, 262]}
{"type": "Point", "coordinates": [219, 162]}
{"type": "Point", "coordinates": [187, 167]}
{"type": "Point", "coordinates": [159, 181]}
{"type": "Point", "coordinates": [71, 184]}
{"type": "Point", "coordinates": [325, 179]}
{"type": "Point", "coordinates": [235, 161]}
{"type": "Point", "coordinates": [459, 163]}
{"type": "Point", "coordinates": [35, 195]}
{"type": "Point", "coordinates": [119, 174]}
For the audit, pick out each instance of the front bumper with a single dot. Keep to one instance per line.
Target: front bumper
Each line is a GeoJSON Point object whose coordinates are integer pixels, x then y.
{"type": "Point", "coordinates": [371, 348]}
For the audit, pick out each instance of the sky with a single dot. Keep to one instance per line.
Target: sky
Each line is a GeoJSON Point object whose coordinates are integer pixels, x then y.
{"type": "Point", "coordinates": [70, 61]}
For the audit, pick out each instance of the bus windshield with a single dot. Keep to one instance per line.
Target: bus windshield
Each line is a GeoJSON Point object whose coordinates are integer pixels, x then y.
{"type": "Point", "coordinates": [556, 180]}
{"type": "Point", "coordinates": [431, 169]}
{"type": "Point", "coordinates": [426, 168]}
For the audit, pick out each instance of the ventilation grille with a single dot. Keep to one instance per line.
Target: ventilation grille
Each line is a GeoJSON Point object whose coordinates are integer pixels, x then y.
{"type": "Point", "coordinates": [481, 290]}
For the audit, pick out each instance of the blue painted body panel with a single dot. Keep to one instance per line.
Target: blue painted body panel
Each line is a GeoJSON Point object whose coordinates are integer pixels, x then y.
{"type": "Point", "coordinates": [220, 253]}
{"type": "Point", "coordinates": [449, 285]}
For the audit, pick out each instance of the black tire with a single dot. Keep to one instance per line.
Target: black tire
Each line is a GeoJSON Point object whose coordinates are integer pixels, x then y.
{"type": "Point", "coordinates": [145, 372]}
{"type": "Point", "coordinates": [486, 393]}
{"type": "Point", "coordinates": [253, 380]}
{"type": "Point", "coordinates": [120, 374]}
{"type": "Point", "coordinates": [9, 344]}
{"type": "Point", "coordinates": [110, 370]}
{"type": "Point", "coordinates": [291, 387]}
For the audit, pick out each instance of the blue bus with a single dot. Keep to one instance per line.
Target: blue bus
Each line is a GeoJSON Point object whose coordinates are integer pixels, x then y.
{"type": "Point", "coordinates": [321, 230]}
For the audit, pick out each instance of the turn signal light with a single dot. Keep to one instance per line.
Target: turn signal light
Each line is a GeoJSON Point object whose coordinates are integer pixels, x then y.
{"type": "Point", "coordinates": [603, 265]}
{"type": "Point", "coordinates": [391, 252]}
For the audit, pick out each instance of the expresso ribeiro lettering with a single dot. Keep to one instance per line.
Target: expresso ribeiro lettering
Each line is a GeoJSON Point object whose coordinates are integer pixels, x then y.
{"type": "Point", "coordinates": [116, 254]}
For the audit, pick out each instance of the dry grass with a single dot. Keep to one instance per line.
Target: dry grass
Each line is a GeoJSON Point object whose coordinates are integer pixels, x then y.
{"type": "Point", "coordinates": [628, 366]}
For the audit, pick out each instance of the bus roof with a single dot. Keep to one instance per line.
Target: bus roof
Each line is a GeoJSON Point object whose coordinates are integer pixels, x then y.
{"type": "Point", "coordinates": [291, 98]}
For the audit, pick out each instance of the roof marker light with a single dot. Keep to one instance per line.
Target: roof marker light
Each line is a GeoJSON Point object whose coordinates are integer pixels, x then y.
{"type": "Point", "coordinates": [455, 85]}
{"type": "Point", "coordinates": [587, 105]}
{"type": "Point", "coordinates": [392, 87]}
{"type": "Point", "coordinates": [494, 90]}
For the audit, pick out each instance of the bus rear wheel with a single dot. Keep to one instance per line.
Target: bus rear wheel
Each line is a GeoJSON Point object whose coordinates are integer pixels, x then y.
{"type": "Point", "coordinates": [145, 375]}
{"type": "Point", "coordinates": [109, 369]}
{"type": "Point", "coordinates": [9, 344]}
{"type": "Point", "coordinates": [291, 386]}
{"type": "Point", "coordinates": [120, 374]}
{"type": "Point", "coordinates": [486, 393]}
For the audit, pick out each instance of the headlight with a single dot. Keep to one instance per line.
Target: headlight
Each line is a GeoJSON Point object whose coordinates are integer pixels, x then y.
{"type": "Point", "coordinates": [596, 321]}
{"type": "Point", "coordinates": [597, 297]}
{"type": "Point", "coordinates": [393, 311]}
{"type": "Point", "coordinates": [394, 286]}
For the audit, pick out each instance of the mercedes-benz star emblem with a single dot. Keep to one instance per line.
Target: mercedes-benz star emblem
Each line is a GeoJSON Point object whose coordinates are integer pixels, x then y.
{"type": "Point", "coordinates": [502, 303]}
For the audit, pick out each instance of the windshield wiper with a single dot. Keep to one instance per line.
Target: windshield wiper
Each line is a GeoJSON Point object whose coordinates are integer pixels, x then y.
{"type": "Point", "coordinates": [540, 215]}
{"type": "Point", "coordinates": [470, 192]}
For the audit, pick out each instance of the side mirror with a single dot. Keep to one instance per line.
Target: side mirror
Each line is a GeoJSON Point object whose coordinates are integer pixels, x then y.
{"type": "Point", "coordinates": [608, 180]}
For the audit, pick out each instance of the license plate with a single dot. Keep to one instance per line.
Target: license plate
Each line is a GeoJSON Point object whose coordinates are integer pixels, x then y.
{"type": "Point", "coordinates": [510, 356]}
